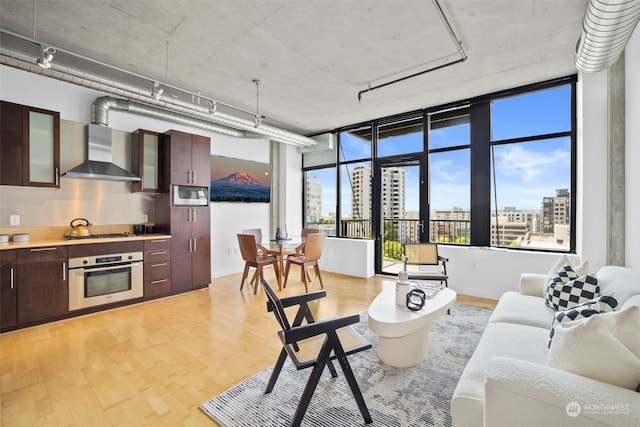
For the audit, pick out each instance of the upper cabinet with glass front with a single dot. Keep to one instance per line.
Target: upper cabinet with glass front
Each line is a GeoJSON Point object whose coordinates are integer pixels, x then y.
{"type": "Point", "coordinates": [29, 146]}
{"type": "Point", "coordinates": [145, 161]}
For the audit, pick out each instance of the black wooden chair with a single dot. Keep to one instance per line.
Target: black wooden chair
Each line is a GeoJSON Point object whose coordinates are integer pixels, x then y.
{"type": "Point", "coordinates": [430, 265]}
{"type": "Point", "coordinates": [315, 344]}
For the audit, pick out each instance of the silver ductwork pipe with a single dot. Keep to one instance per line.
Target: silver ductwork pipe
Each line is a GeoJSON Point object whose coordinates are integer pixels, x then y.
{"type": "Point", "coordinates": [144, 104]}
{"type": "Point", "coordinates": [606, 29]}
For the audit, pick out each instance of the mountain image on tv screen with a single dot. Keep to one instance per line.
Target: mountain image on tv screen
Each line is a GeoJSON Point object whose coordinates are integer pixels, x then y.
{"type": "Point", "coordinates": [239, 187]}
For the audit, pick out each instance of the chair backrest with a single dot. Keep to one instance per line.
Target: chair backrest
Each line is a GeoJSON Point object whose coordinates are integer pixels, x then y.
{"type": "Point", "coordinates": [306, 231]}
{"type": "Point", "coordinates": [257, 233]}
{"type": "Point", "coordinates": [313, 246]}
{"type": "Point", "coordinates": [421, 253]}
{"type": "Point", "coordinates": [278, 309]}
{"type": "Point", "coordinates": [248, 248]}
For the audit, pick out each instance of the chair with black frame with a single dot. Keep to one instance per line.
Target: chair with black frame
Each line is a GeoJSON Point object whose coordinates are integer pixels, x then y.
{"type": "Point", "coordinates": [315, 344]}
{"type": "Point", "coordinates": [430, 265]}
{"type": "Point", "coordinates": [249, 251]}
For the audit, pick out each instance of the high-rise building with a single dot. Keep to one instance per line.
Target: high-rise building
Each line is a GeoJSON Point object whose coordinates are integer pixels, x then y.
{"type": "Point", "coordinates": [555, 210]}
{"type": "Point", "coordinates": [361, 187]}
{"type": "Point", "coordinates": [393, 192]}
{"type": "Point", "coordinates": [314, 200]}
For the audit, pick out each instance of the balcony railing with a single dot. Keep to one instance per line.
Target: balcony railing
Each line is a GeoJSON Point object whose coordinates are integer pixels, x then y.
{"type": "Point", "coordinates": [408, 230]}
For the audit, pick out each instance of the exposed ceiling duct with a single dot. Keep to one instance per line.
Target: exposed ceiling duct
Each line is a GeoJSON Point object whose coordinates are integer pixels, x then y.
{"type": "Point", "coordinates": [606, 29]}
{"type": "Point", "coordinates": [147, 101]}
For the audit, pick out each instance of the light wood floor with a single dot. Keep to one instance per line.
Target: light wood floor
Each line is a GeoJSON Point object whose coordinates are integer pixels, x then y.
{"type": "Point", "coordinates": [154, 363]}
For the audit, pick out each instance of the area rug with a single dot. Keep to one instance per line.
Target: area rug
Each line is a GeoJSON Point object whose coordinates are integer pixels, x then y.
{"type": "Point", "coordinates": [416, 396]}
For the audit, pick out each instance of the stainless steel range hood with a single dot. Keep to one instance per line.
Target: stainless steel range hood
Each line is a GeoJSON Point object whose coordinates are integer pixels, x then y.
{"type": "Point", "coordinates": [98, 164]}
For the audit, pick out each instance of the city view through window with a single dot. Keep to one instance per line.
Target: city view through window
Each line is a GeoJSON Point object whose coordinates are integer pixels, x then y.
{"type": "Point", "coordinates": [529, 177]}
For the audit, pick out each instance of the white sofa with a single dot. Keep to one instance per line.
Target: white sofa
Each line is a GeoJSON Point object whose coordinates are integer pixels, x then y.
{"type": "Point", "coordinates": [507, 381]}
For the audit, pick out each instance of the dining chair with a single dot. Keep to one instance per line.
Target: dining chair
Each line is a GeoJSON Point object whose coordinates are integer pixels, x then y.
{"type": "Point", "coordinates": [315, 345]}
{"type": "Point", "coordinates": [307, 255]}
{"type": "Point", "coordinates": [249, 251]}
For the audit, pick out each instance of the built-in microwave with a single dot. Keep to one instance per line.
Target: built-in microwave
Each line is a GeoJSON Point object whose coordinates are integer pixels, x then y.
{"type": "Point", "coordinates": [186, 195]}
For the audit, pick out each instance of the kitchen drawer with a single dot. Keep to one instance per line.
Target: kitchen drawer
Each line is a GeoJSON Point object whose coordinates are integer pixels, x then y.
{"type": "Point", "coordinates": [155, 244]}
{"type": "Point", "coordinates": [91, 249]}
{"type": "Point", "coordinates": [44, 254]}
{"type": "Point", "coordinates": [157, 270]}
{"type": "Point", "coordinates": [157, 287]}
{"type": "Point", "coordinates": [157, 255]}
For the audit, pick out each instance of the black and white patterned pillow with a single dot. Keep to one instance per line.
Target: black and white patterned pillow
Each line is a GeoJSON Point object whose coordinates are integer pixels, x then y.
{"type": "Point", "coordinates": [566, 289]}
{"type": "Point", "coordinates": [602, 304]}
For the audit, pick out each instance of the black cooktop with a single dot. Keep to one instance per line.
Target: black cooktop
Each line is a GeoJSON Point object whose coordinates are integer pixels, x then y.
{"type": "Point", "coordinates": [98, 236]}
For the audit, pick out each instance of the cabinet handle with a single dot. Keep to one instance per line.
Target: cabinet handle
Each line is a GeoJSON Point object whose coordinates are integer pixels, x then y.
{"type": "Point", "coordinates": [158, 253]}
{"type": "Point", "coordinates": [64, 271]}
{"type": "Point", "coordinates": [42, 249]}
{"type": "Point", "coordinates": [57, 176]}
{"type": "Point", "coordinates": [158, 241]}
{"type": "Point", "coordinates": [194, 214]}
{"type": "Point", "coordinates": [188, 177]}
{"type": "Point", "coordinates": [195, 245]}
{"type": "Point", "coordinates": [153, 282]}
{"type": "Point", "coordinates": [190, 245]}
{"type": "Point", "coordinates": [193, 177]}
{"type": "Point", "coordinates": [11, 277]}
{"type": "Point", "coordinates": [159, 265]}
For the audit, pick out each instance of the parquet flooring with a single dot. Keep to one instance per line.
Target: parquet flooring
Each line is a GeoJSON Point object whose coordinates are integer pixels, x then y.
{"type": "Point", "coordinates": [154, 363]}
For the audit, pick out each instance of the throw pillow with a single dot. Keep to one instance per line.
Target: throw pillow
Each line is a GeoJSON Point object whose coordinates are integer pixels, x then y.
{"type": "Point", "coordinates": [566, 289]}
{"type": "Point", "coordinates": [581, 269]}
{"type": "Point", "coordinates": [603, 304]}
{"type": "Point", "coordinates": [605, 347]}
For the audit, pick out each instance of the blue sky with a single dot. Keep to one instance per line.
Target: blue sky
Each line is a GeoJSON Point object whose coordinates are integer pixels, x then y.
{"type": "Point", "coordinates": [525, 172]}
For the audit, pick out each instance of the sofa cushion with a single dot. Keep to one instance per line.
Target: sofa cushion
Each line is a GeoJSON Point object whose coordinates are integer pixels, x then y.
{"type": "Point", "coordinates": [605, 347]}
{"type": "Point", "coordinates": [499, 339]}
{"type": "Point", "coordinates": [619, 282]}
{"type": "Point", "coordinates": [602, 304]}
{"type": "Point", "coordinates": [634, 300]}
{"type": "Point", "coordinates": [566, 289]}
{"type": "Point", "coordinates": [522, 309]}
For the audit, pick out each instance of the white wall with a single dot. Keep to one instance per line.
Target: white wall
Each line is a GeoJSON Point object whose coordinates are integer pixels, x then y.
{"type": "Point", "coordinates": [632, 146]}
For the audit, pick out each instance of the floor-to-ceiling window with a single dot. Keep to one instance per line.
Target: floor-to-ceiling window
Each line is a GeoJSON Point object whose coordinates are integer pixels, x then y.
{"type": "Point", "coordinates": [496, 170]}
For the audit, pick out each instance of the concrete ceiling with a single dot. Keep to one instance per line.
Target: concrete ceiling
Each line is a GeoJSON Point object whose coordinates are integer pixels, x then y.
{"type": "Point", "coordinates": [313, 57]}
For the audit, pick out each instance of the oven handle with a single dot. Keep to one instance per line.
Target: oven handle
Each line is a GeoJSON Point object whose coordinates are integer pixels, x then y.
{"type": "Point", "coordinates": [111, 267]}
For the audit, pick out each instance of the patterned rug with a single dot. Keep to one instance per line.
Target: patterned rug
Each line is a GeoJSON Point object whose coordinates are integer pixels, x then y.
{"type": "Point", "coordinates": [419, 395]}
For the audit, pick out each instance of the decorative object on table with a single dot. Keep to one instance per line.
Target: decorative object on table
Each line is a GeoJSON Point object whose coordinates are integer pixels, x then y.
{"type": "Point", "coordinates": [315, 345]}
{"type": "Point", "coordinates": [415, 299]}
{"type": "Point", "coordinates": [237, 180]}
{"type": "Point", "coordinates": [415, 396]}
{"type": "Point", "coordinates": [403, 286]}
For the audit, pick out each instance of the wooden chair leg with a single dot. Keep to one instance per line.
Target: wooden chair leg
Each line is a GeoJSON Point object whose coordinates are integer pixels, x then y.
{"type": "Point", "coordinates": [286, 273]}
{"type": "Point", "coordinates": [304, 278]}
{"type": "Point", "coordinates": [244, 275]}
{"type": "Point", "coordinates": [317, 270]}
{"type": "Point", "coordinates": [355, 389]}
{"type": "Point", "coordinates": [259, 273]}
{"type": "Point", "coordinates": [277, 271]}
{"type": "Point", "coordinates": [312, 383]}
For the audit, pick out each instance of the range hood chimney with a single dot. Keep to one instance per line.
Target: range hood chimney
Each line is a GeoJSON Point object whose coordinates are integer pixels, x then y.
{"type": "Point", "coordinates": [98, 164]}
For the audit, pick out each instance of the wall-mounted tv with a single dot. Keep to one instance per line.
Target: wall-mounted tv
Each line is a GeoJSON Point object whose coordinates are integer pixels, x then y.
{"type": "Point", "coordinates": [237, 180]}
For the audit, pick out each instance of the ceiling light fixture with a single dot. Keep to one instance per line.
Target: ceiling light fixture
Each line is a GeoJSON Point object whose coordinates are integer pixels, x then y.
{"type": "Point", "coordinates": [157, 91]}
{"type": "Point", "coordinates": [258, 117]}
{"type": "Point", "coordinates": [47, 57]}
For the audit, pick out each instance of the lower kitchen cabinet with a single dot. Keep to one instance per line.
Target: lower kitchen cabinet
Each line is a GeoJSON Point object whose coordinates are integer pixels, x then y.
{"type": "Point", "coordinates": [41, 280]}
{"type": "Point", "coordinates": [8, 290]}
{"type": "Point", "coordinates": [157, 268]}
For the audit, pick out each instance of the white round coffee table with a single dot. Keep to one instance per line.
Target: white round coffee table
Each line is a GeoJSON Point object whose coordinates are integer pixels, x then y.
{"type": "Point", "coordinates": [403, 335]}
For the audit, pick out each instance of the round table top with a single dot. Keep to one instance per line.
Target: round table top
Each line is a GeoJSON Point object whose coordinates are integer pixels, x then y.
{"type": "Point", "coordinates": [389, 320]}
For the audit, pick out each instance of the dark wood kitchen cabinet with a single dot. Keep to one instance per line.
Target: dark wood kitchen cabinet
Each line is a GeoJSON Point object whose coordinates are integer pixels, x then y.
{"type": "Point", "coordinates": [157, 268]}
{"type": "Point", "coordinates": [186, 159]}
{"type": "Point", "coordinates": [190, 243]}
{"type": "Point", "coordinates": [43, 286]}
{"type": "Point", "coordinates": [8, 290]}
{"type": "Point", "coordinates": [29, 146]}
{"type": "Point", "coordinates": [146, 161]}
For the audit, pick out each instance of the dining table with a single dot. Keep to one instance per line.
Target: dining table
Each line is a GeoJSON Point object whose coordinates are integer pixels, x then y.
{"type": "Point", "coordinates": [281, 248]}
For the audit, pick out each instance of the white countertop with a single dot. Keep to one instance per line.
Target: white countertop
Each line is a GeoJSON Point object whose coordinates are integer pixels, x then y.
{"type": "Point", "coordinates": [59, 242]}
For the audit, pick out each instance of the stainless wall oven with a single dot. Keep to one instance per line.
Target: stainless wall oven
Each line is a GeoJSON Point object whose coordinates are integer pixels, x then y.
{"type": "Point", "coordinates": [104, 279]}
